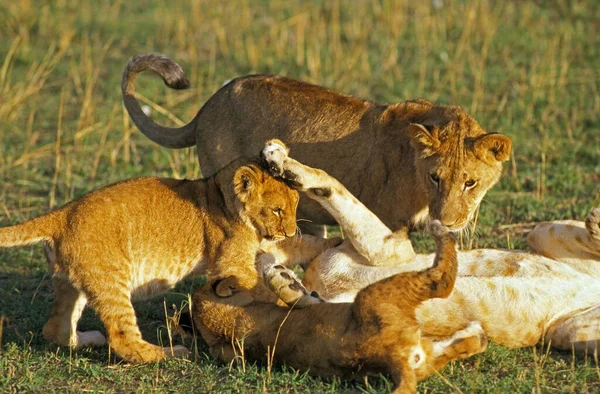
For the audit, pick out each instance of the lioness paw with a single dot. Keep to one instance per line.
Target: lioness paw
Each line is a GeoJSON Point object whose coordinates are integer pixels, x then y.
{"type": "Point", "coordinates": [592, 223]}
{"type": "Point", "coordinates": [274, 153]}
{"type": "Point", "coordinates": [286, 285]}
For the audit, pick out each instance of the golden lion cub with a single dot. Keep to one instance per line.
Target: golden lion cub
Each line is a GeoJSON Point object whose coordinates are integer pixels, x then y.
{"type": "Point", "coordinates": [519, 297]}
{"type": "Point", "coordinates": [141, 236]}
{"type": "Point", "coordinates": [406, 162]}
{"type": "Point", "coordinates": [377, 333]}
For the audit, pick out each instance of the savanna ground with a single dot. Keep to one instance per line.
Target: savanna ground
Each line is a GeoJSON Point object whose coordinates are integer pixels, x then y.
{"type": "Point", "coordinates": [529, 69]}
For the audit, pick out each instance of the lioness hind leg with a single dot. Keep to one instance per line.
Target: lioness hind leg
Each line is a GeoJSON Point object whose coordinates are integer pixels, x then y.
{"type": "Point", "coordinates": [69, 304]}
{"type": "Point", "coordinates": [579, 331]}
{"type": "Point", "coordinates": [368, 234]}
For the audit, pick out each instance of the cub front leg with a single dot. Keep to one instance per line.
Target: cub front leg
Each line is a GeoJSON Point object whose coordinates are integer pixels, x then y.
{"type": "Point", "coordinates": [369, 236]}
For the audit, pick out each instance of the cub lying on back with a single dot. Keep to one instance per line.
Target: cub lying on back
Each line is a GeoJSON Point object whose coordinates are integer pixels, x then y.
{"type": "Point", "coordinates": [405, 161]}
{"type": "Point", "coordinates": [141, 236]}
{"type": "Point", "coordinates": [376, 333]}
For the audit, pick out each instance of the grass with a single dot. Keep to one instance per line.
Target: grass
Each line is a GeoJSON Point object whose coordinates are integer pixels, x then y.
{"type": "Point", "coordinates": [527, 69]}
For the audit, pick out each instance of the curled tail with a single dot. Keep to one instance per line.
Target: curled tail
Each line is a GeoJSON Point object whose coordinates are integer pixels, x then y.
{"type": "Point", "coordinates": [42, 228]}
{"type": "Point", "coordinates": [174, 77]}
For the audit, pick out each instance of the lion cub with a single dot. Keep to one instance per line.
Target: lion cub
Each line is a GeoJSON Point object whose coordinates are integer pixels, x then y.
{"type": "Point", "coordinates": [141, 236]}
{"type": "Point", "coordinates": [376, 333]}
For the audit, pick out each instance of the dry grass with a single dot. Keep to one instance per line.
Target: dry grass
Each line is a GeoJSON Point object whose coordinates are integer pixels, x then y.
{"type": "Point", "coordinates": [528, 69]}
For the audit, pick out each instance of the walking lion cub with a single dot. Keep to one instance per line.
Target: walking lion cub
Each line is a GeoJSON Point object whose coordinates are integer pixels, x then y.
{"type": "Point", "coordinates": [141, 236]}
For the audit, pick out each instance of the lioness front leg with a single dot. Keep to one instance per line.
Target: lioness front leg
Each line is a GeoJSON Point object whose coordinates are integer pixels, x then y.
{"type": "Point", "coordinates": [369, 236]}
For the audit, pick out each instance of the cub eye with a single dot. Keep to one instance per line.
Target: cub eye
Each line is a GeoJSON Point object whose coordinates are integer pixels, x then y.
{"type": "Point", "coordinates": [470, 184]}
{"type": "Point", "coordinates": [277, 212]}
{"type": "Point", "coordinates": [434, 178]}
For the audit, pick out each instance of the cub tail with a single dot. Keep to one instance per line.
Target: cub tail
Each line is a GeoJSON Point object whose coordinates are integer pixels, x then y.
{"type": "Point", "coordinates": [174, 77]}
{"type": "Point", "coordinates": [40, 229]}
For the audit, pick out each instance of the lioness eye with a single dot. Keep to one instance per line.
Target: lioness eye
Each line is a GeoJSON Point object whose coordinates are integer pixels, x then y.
{"type": "Point", "coordinates": [277, 212]}
{"type": "Point", "coordinates": [434, 178]}
{"type": "Point", "coordinates": [470, 184]}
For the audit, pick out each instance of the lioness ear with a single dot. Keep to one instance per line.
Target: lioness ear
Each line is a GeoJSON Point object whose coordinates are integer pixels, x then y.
{"type": "Point", "coordinates": [493, 147]}
{"type": "Point", "coordinates": [245, 182]}
{"type": "Point", "coordinates": [423, 139]}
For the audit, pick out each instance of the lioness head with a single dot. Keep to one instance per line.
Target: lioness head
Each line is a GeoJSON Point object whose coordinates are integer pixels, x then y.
{"type": "Point", "coordinates": [457, 162]}
{"type": "Point", "coordinates": [268, 204]}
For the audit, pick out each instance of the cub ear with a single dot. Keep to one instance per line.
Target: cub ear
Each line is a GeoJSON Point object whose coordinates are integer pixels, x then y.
{"type": "Point", "coordinates": [226, 287]}
{"type": "Point", "coordinates": [424, 139]}
{"type": "Point", "coordinates": [245, 183]}
{"type": "Point", "coordinates": [493, 148]}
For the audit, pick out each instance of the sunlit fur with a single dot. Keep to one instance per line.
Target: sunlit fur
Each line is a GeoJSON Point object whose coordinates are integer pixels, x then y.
{"type": "Point", "coordinates": [384, 154]}
{"type": "Point", "coordinates": [141, 236]}
{"type": "Point", "coordinates": [377, 333]}
{"type": "Point", "coordinates": [520, 298]}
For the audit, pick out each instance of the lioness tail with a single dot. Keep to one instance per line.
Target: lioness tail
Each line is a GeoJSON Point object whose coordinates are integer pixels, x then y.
{"type": "Point", "coordinates": [174, 77]}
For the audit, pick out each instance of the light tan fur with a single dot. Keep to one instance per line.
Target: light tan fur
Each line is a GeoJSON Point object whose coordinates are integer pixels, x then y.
{"type": "Point", "coordinates": [520, 298]}
{"type": "Point", "coordinates": [406, 162]}
{"type": "Point", "coordinates": [377, 333]}
{"type": "Point", "coordinates": [141, 236]}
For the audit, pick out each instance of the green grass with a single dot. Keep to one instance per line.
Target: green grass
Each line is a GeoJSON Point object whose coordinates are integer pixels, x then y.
{"type": "Point", "coordinates": [526, 69]}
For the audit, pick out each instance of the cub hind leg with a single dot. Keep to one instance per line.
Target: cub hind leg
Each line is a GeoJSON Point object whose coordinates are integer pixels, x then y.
{"type": "Point", "coordinates": [462, 344]}
{"type": "Point", "coordinates": [68, 306]}
{"type": "Point", "coordinates": [61, 328]}
{"type": "Point", "coordinates": [107, 290]}
{"type": "Point", "coordinates": [579, 331]}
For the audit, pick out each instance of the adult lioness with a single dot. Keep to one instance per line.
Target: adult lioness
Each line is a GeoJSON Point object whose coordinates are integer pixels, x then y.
{"type": "Point", "coordinates": [405, 161]}
{"type": "Point", "coordinates": [519, 297]}
{"type": "Point", "coordinates": [141, 236]}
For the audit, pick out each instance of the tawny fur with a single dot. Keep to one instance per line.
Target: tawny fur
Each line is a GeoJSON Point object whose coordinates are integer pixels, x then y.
{"type": "Point", "coordinates": [405, 161]}
{"type": "Point", "coordinates": [141, 236]}
{"type": "Point", "coordinates": [377, 333]}
{"type": "Point", "coordinates": [521, 298]}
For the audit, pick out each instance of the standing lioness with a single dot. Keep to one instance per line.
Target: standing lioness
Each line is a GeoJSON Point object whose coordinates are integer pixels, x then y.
{"type": "Point", "coordinates": [404, 161]}
{"type": "Point", "coordinates": [141, 236]}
